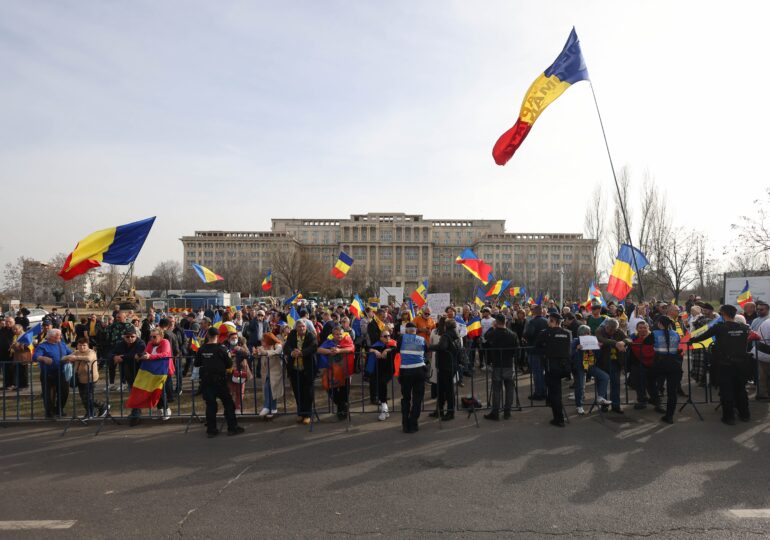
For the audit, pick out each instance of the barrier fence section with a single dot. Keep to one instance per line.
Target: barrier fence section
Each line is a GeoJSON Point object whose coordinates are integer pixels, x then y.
{"type": "Point", "coordinates": [28, 395]}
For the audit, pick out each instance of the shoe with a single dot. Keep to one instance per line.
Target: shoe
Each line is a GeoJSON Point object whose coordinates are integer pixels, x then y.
{"type": "Point", "coordinates": [581, 411]}
{"type": "Point", "coordinates": [273, 412]}
{"type": "Point", "coordinates": [483, 368]}
{"type": "Point", "coordinates": [667, 419]}
{"type": "Point", "coordinates": [746, 418]}
{"type": "Point", "coordinates": [384, 410]}
{"type": "Point", "coordinates": [238, 430]}
{"type": "Point", "coordinates": [460, 384]}
{"type": "Point", "coordinates": [306, 420]}
{"type": "Point", "coordinates": [103, 411]}
{"type": "Point", "coordinates": [342, 415]}
{"type": "Point", "coordinates": [124, 387]}
{"type": "Point", "coordinates": [112, 387]}
{"type": "Point", "coordinates": [382, 416]}
{"type": "Point", "coordinates": [300, 419]}
{"type": "Point", "coordinates": [603, 401]}
{"type": "Point", "coordinates": [617, 410]}
{"type": "Point", "coordinates": [492, 416]}
{"type": "Point", "coordinates": [408, 430]}
{"type": "Point", "coordinates": [133, 420]}
{"type": "Point", "coordinates": [167, 414]}
{"type": "Point", "coordinates": [571, 395]}
{"type": "Point", "coordinates": [434, 414]}
{"type": "Point", "coordinates": [507, 415]}
{"type": "Point", "coordinates": [557, 423]}
{"type": "Point", "coordinates": [212, 434]}
{"type": "Point", "coordinates": [264, 412]}
{"type": "Point", "coordinates": [728, 421]}
{"type": "Point", "coordinates": [639, 406]}
{"type": "Point", "coordinates": [448, 416]}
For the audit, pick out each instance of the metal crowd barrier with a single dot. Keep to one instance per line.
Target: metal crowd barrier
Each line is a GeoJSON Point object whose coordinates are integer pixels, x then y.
{"type": "Point", "coordinates": [182, 395]}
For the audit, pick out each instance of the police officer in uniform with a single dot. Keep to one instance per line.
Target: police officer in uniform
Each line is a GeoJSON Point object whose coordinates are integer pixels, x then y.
{"type": "Point", "coordinates": [667, 364]}
{"type": "Point", "coordinates": [411, 376]}
{"type": "Point", "coordinates": [732, 363]}
{"type": "Point", "coordinates": [214, 362]}
{"type": "Point", "coordinates": [555, 342]}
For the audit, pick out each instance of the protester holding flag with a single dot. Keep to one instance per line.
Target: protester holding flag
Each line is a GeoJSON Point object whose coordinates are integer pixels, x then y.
{"type": "Point", "coordinates": [56, 388]}
{"type": "Point", "coordinates": [214, 362]}
{"type": "Point", "coordinates": [336, 362]}
{"type": "Point", "coordinates": [21, 356]}
{"type": "Point", "coordinates": [127, 353]}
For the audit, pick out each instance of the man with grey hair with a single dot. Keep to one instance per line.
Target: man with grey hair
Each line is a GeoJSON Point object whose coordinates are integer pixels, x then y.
{"type": "Point", "coordinates": [56, 389]}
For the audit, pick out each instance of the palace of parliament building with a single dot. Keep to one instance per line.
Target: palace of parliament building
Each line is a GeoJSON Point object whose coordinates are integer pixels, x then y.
{"type": "Point", "coordinates": [398, 249]}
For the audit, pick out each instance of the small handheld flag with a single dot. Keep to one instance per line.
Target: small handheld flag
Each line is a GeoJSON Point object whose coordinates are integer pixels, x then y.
{"type": "Point", "coordinates": [419, 296]}
{"type": "Point", "coordinates": [206, 275]}
{"type": "Point", "coordinates": [474, 327]}
{"type": "Point", "coordinates": [28, 337]}
{"type": "Point", "coordinates": [267, 283]}
{"type": "Point", "coordinates": [342, 266]}
{"type": "Point", "coordinates": [292, 317]}
{"type": "Point", "coordinates": [357, 307]}
{"type": "Point", "coordinates": [622, 274]}
{"type": "Point", "coordinates": [116, 245]}
{"type": "Point", "coordinates": [745, 295]}
{"type": "Point", "coordinates": [568, 68]}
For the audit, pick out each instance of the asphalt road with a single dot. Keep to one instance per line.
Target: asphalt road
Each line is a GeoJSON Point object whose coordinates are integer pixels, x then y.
{"type": "Point", "coordinates": [522, 478]}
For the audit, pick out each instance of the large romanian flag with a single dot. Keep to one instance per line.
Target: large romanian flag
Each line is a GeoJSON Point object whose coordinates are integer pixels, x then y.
{"type": "Point", "coordinates": [342, 266]}
{"type": "Point", "coordinates": [148, 385]}
{"type": "Point", "coordinates": [116, 245]}
{"type": "Point", "coordinates": [745, 295]}
{"type": "Point", "coordinates": [206, 275]}
{"type": "Point", "coordinates": [622, 274]}
{"type": "Point", "coordinates": [474, 265]}
{"type": "Point", "coordinates": [420, 294]}
{"type": "Point", "coordinates": [568, 68]}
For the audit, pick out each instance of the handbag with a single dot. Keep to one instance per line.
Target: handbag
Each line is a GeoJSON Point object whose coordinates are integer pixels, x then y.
{"type": "Point", "coordinates": [68, 372]}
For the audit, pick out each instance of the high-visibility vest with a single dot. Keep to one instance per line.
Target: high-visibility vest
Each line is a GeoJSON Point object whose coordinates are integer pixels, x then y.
{"type": "Point", "coordinates": [660, 342]}
{"type": "Point", "coordinates": [412, 351]}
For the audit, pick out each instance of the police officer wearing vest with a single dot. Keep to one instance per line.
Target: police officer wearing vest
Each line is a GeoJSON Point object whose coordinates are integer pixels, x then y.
{"type": "Point", "coordinates": [412, 375]}
{"type": "Point", "coordinates": [667, 364]}
{"type": "Point", "coordinates": [555, 342]}
{"type": "Point", "coordinates": [732, 363]}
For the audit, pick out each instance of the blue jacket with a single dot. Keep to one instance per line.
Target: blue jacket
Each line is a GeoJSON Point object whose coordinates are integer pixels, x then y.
{"type": "Point", "coordinates": [55, 352]}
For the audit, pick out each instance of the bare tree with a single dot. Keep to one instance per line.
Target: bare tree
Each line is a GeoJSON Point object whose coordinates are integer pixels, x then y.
{"type": "Point", "coordinates": [12, 277]}
{"type": "Point", "coordinates": [594, 227]}
{"type": "Point", "coordinates": [167, 275]}
{"type": "Point", "coordinates": [675, 255]}
{"type": "Point", "coordinates": [754, 232]}
{"type": "Point", "coordinates": [297, 270]}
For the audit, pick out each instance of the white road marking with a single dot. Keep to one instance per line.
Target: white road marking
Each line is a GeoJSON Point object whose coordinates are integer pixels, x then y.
{"type": "Point", "coordinates": [36, 524]}
{"type": "Point", "coordinates": [752, 513]}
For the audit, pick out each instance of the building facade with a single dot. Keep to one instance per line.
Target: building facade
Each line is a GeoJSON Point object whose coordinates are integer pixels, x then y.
{"type": "Point", "coordinates": [396, 249]}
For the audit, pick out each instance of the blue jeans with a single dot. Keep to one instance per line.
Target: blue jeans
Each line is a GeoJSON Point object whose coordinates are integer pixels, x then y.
{"type": "Point", "coordinates": [615, 371]}
{"type": "Point", "coordinates": [599, 376]}
{"type": "Point", "coordinates": [538, 378]}
{"type": "Point", "coordinates": [270, 403]}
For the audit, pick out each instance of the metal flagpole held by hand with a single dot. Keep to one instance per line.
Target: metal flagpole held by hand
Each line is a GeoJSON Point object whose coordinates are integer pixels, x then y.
{"type": "Point", "coordinates": [617, 187]}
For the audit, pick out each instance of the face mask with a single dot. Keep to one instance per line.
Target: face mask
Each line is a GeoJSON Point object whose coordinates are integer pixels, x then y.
{"type": "Point", "coordinates": [233, 342]}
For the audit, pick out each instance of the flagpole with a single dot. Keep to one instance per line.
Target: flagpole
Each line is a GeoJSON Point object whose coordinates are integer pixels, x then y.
{"type": "Point", "coordinates": [617, 187]}
{"type": "Point", "coordinates": [115, 293]}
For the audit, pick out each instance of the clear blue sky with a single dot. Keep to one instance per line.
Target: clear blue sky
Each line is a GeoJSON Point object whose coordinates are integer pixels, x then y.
{"type": "Point", "coordinates": [221, 115]}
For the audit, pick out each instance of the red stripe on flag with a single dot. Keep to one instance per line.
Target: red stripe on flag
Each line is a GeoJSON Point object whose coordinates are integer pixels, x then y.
{"type": "Point", "coordinates": [510, 141]}
{"type": "Point", "coordinates": [618, 288]}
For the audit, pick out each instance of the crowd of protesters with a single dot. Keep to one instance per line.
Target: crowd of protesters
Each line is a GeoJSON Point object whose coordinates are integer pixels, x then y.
{"type": "Point", "coordinates": [641, 344]}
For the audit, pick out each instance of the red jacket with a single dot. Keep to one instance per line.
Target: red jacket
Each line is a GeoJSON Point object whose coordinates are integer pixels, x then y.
{"type": "Point", "coordinates": [643, 349]}
{"type": "Point", "coordinates": [163, 351]}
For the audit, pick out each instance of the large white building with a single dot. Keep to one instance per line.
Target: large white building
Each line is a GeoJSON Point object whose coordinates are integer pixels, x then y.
{"type": "Point", "coordinates": [396, 249]}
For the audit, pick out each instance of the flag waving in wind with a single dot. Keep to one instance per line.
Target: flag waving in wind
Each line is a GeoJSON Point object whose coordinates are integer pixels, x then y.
{"type": "Point", "coordinates": [342, 266]}
{"type": "Point", "coordinates": [474, 265]}
{"type": "Point", "coordinates": [267, 283]}
{"type": "Point", "coordinates": [420, 294]}
{"type": "Point", "coordinates": [622, 275]}
{"type": "Point", "coordinates": [206, 275]}
{"type": "Point", "coordinates": [567, 69]}
{"type": "Point", "coordinates": [116, 245]}
{"type": "Point", "coordinates": [745, 295]}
